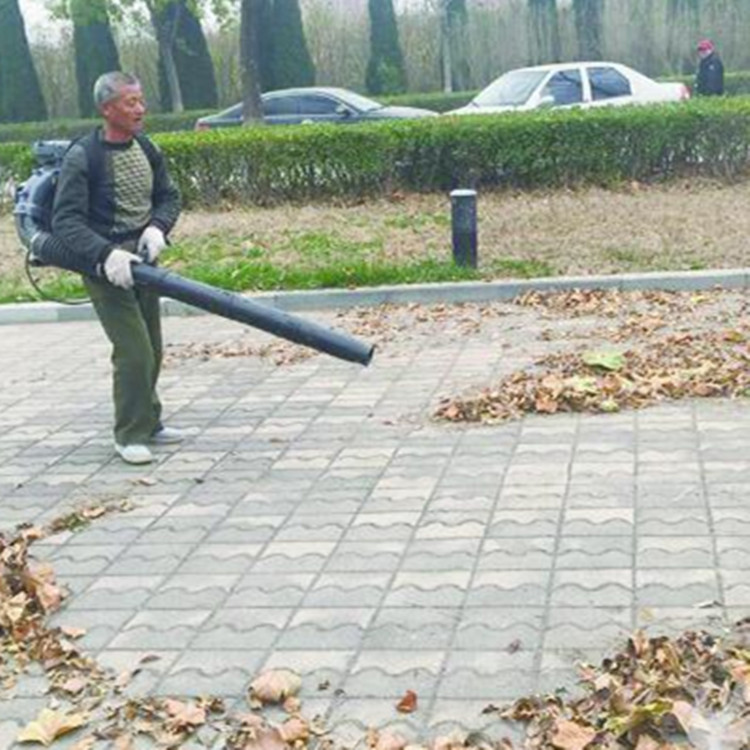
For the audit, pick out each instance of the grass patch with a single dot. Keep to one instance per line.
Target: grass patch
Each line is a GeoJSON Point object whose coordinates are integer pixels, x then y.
{"type": "Point", "coordinates": [522, 269]}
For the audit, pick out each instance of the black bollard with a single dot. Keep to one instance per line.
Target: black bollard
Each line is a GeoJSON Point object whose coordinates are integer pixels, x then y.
{"type": "Point", "coordinates": [464, 222]}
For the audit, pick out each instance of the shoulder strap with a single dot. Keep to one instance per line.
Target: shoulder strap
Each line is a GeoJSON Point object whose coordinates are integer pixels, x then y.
{"type": "Point", "coordinates": [152, 153]}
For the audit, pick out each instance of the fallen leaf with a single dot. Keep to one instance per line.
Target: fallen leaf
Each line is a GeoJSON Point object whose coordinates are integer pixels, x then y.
{"type": "Point", "coordinates": [275, 686]}
{"type": "Point", "coordinates": [265, 738]}
{"type": "Point", "coordinates": [292, 705]}
{"type": "Point", "coordinates": [184, 714]}
{"type": "Point", "coordinates": [389, 741]}
{"type": "Point", "coordinates": [514, 646]}
{"type": "Point", "coordinates": [570, 735]}
{"type": "Point", "coordinates": [87, 743]}
{"type": "Point", "coordinates": [408, 704]}
{"type": "Point", "coordinates": [294, 729]}
{"type": "Point", "coordinates": [74, 685]}
{"type": "Point", "coordinates": [605, 360]}
{"type": "Point", "coordinates": [50, 725]}
{"type": "Point", "coordinates": [73, 633]}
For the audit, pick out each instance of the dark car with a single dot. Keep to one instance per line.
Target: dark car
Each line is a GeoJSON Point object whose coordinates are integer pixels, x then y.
{"type": "Point", "coordinates": [309, 105]}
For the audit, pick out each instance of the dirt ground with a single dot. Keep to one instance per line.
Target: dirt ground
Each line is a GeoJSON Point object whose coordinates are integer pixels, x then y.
{"type": "Point", "coordinates": [683, 225]}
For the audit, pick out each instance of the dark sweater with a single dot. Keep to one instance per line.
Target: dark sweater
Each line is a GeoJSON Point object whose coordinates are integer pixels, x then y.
{"type": "Point", "coordinates": [108, 193]}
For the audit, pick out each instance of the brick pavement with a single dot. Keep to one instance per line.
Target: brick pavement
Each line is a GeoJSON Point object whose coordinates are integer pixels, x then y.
{"type": "Point", "coordinates": [317, 519]}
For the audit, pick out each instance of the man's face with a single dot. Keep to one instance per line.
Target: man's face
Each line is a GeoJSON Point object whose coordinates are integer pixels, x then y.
{"type": "Point", "coordinates": [125, 112]}
{"type": "Point", "coordinates": [704, 53]}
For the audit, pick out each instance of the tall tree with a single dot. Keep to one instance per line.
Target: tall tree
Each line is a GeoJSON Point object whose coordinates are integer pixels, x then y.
{"type": "Point", "coordinates": [683, 26]}
{"type": "Point", "coordinates": [385, 70]}
{"type": "Point", "coordinates": [453, 45]}
{"type": "Point", "coordinates": [291, 64]}
{"type": "Point", "coordinates": [95, 49]}
{"type": "Point", "coordinates": [252, 15]}
{"type": "Point", "coordinates": [195, 69]}
{"type": "Point", "coordinates": [21, 97]}
{"type": "Point", "coordinates": [544, 31]}
{"type": "Point", "coordinates": [588, 15]}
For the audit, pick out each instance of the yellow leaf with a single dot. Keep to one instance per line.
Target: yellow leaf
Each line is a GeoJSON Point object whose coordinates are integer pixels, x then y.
{"type": "Point", "coordinates": [50, 725]}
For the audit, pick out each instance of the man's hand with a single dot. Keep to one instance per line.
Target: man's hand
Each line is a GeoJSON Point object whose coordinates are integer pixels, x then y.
{"type": "Point", "coordinates": [117, 268]}
{"type": "Point", "coordinates": [151, 243]}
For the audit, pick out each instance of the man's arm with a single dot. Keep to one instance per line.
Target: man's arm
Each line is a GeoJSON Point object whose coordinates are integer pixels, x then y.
{"type": "Point", "coordinates": [166, 197]}
{"type": "Point", "coordinates": [71, 208]}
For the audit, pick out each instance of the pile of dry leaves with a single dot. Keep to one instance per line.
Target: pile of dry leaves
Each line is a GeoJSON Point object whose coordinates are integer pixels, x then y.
{"type": "Point", "coordinates": [657, 694]}
{"type": "Point", "coordinates": [656, 353]}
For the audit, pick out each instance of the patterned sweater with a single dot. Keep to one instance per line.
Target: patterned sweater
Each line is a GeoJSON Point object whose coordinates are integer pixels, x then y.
{"type": "Point", "coordinates": [108, 193]}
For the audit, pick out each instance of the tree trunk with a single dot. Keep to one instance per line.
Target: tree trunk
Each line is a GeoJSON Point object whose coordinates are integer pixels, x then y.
{"type": "Point", "coordinates": [165, 26]}
{"type": "Point", "coordinates": [446, 48]}
{"type": "Point", "coordinates": [250, 45]}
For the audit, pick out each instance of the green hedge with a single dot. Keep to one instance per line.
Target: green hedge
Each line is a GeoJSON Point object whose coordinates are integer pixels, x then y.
{"type": "Point", "coordinates": [260, 165]}
{"type": "Point", "coordinates": [35, 131]}
{"type": "Point", "coordinates": [529, 150]}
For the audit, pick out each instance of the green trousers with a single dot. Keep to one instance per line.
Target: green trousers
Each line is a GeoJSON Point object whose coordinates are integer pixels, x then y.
{"type": "Point", "coordinates": [131, 319]}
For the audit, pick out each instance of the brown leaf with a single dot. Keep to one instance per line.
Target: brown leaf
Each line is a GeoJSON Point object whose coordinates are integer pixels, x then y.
{"type": "Point", "coordinates": [514, 646]}
{"type": "Point", "coordinates": [408, 704]}
{"type": "Point", "coordinates": [184, 715]}
{"type": "Point", "coordinates": [292, 705]}
{"type": "Point", "coordinates": [74, 685]}
{"type": "Point", "coordinates": [389, 741]}
{"type": "Point", "coordinates": [50, 725]}
{"type": "Point", "coordinates": [294, 729]}
{"type": "Point", "coordinates": [87, 743]}
{"type": "Point", "coordinates": [275, 686]}
{"type": "Point", "coordinates": [569, 735]}
{"type": "Point", "coordinates": [73, 633]}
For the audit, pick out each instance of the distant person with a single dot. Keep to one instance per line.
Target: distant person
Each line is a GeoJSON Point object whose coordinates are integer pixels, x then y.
{"type": "Point", "coordinates": [709, 80]}
{"type": "Point", "coordinates": [115, 204]}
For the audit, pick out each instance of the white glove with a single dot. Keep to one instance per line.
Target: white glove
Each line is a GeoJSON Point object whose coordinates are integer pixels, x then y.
{"type": "Point", "coordinates": [151, 243]}
{"type": "Point", "coordinates": [117, 268]}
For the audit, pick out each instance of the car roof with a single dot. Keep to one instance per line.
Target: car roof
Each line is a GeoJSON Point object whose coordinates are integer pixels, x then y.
{"type": "Point", "coordinates": [332, 90]}
{"type": "Point", "coordinates": [573, 63]}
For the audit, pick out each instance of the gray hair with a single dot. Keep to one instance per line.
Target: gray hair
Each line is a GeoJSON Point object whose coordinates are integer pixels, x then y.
{"type": "Point", "coordinates": [108, 85]}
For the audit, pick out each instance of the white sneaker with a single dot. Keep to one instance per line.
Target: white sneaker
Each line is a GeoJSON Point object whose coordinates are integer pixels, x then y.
{"type": "Point", "coordinates": [134, 454]}
{"type": "Point", "coordinates": [167, 435]}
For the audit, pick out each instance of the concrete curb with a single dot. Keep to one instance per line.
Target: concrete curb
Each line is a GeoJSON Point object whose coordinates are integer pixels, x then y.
{"type": "Point", "coordinates": [491, 291]}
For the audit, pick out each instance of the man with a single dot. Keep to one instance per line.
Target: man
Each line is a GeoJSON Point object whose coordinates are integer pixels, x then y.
{"type": "Point", "coordinates": [710, 78]}
{"type": "Point", "coordinates": [115, 204]}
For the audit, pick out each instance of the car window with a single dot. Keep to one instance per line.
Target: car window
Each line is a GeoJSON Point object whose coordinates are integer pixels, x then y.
{"type": "Point", "coordinates": [233, 113]}
{"type": "Point", "coordinates": [607, 83]}
{"type": "Point", "coordinates": [565, 87]}
{"type": "Point", "coordinates": [316, 105]}
{"type": "Point", "coordinates": [510, 90]}
{"type": "Point", "coordinates": [280, 105]}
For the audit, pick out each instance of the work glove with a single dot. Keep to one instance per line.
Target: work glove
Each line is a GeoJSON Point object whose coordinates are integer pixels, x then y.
{"type": "Point", "coordinates": [151, 243]}
{"type": "Point", "coordinates": [117, 268]}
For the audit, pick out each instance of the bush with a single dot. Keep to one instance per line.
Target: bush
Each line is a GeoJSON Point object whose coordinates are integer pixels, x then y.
{"type": "Point", "coordinates": [51, 129]}
{"type": "Point", "coordinates": [522, 150]}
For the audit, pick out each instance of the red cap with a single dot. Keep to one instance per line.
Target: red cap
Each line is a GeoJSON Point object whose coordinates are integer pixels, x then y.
{"type": "Point", "coordinates": [705, 45]}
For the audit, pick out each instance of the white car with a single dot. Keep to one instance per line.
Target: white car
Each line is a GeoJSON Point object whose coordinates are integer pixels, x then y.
{"type": "Point", "coordinates": [580, 84]}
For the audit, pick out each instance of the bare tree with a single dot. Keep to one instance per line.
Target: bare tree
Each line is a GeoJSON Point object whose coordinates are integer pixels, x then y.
{"type": "Point", "coordinates": [251, 15]}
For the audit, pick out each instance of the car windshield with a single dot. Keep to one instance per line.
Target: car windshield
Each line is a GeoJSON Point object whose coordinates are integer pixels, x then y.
{"type": "Point", "coordinates": [510, 90]}
{"type": "Point", "coordinates": [362, 103]}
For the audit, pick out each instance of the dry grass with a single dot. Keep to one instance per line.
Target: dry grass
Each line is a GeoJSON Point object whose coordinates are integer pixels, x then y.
{"type": "Point", "coordinates": [683, 225]}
